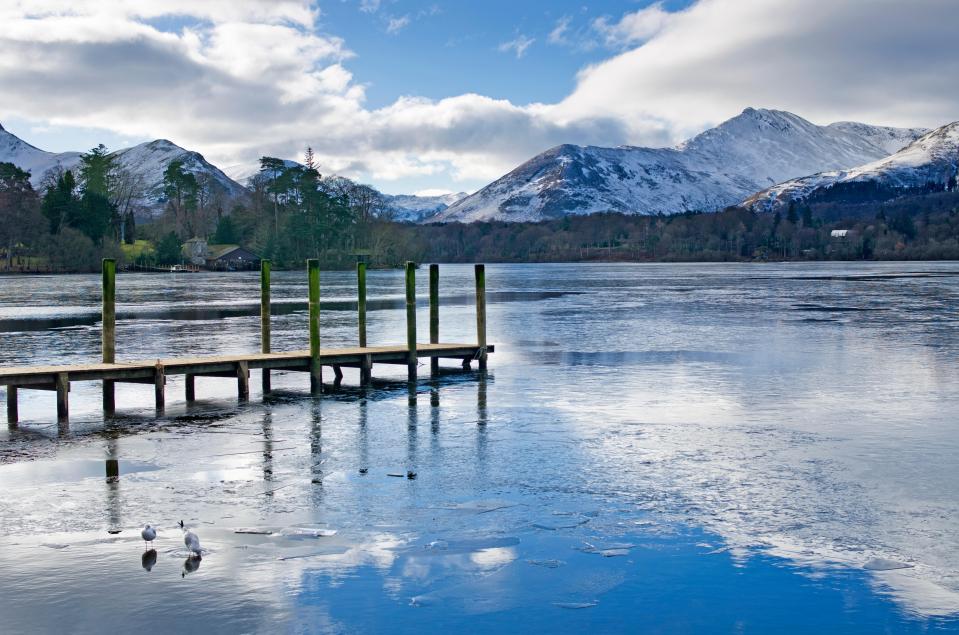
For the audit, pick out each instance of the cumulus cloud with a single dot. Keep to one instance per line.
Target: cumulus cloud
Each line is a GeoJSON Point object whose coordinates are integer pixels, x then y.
{"type": "Point", "coordinates": [250, 77]}
{"type": "Point", "coordinates": [632, 28]}
{"type": "Point", "coordinates": [518, 45]}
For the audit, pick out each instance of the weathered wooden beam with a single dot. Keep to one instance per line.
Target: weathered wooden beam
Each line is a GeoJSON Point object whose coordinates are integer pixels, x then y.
{"type": "Point", "coordinates": [366, 369]}
{"type": "Point", "coordinates": [411, 320]}
{"type": "Point", "coordinates": [190, 381]}
{"type": "Point", "coordinates": [481, 314]}
{"type": "Point", "coordinates": [434, 314]}
{"type": "Point", "coordinates": [316, 369]}
{"type": "Point", "coordinates": [63, 397]}
{"type": "Point", "coordinates": [365, 373]}
{"type": "Point", "coordinates": [159, 387]}
{"type": "Point", "coordinates": [242, 380]}
{"type": "Point", "coordinates": [108, 332]}
{"type": "Point", "coordinates": [265, 268]}
{"type": "Point", "coordinates": [13, 412]}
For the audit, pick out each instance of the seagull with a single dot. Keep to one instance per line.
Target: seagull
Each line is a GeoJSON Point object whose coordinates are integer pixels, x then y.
{"type": "Point", "coordinates": [190, 540]}
{"type": "Point", "coordinates": [148, 534]}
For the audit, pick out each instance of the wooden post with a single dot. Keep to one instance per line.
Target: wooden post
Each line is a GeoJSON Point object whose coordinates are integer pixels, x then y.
{"type": "Point", "coordinates": [62, 383]}
{"type": "Point", "coordinates": [481, 314]}
{"type": "Point", "coordinates": [265, 266]}
{"type": "Point", "coordinates": [108, 333]}
{"type": "Point", "coordinates": [411, 320]}
{"type": "Point", "coordinates": [316, 370]}
{"type": "Point", "coordinates": [13, 414]}
{"type": "Point", "coordinates": [434, 315]}
{"type": "Point", "coordinates": [159, 387]}
{"type": "Point", "coordinates": [190, 380]}
{"type": "Point", "coordinates": [243, 380]}
{"type": "Point", "coordinates": [366, 365]}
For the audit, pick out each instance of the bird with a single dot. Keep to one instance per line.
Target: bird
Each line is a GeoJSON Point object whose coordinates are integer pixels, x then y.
{"type": "Point", "coordinates": [148, 534]}
{"type": "Point", "coordinates": [190, 540]}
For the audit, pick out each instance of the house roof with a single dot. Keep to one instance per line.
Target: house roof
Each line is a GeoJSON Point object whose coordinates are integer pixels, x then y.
{"type": "Point", "coordinates": [216, 252]}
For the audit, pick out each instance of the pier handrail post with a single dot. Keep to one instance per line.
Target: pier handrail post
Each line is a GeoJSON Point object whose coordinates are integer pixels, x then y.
{"type": "Point", "coordinates": [108, 333]}
{"type": "Point", "coordinates": [316, 370]}
{"type": "Point", "coordinates": [411, 360]}
{"type": "Point", "coordinates": [434, 315]}
{"type": "Point", "coordinates": [481, 314]}
{"type": "Point", "coordinates": [265, 267]}
{"type": "Point", "coordinates": [366, 363]}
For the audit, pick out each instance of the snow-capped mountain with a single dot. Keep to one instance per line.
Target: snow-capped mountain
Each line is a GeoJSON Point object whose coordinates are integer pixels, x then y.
{"type": "Point", "coordinates": [714, 169]}
{"type": "Point", "coordinates": [149, 161]}
{"type": "Point", "coordinates": [931, 160]}
{"type": "Point", "coordinates": [416, 209]}
{"type": "Point", "coordinates": [37, 162]}
{"type": "Point", "coordinates": [146, 162]}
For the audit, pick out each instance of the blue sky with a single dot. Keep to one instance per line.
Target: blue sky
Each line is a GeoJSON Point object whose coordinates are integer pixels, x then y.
{"type": "Point", "coordinates": [413, 95]}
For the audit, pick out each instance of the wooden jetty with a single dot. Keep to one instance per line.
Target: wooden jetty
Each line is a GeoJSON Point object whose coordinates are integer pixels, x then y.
{"type": "Point", "coordinates": [110, 372]}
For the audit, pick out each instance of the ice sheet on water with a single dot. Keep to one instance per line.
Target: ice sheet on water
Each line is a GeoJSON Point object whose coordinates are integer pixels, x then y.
{"type": "Point", "coordinates": [883, 564]}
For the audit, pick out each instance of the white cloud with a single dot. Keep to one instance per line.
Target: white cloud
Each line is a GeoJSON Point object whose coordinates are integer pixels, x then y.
{"type": "Point", "coordinates": [395, 25]}
{"type": "Point", "coordinates": [517, 45]}
{"type": "Point", "coordinates": [256, 77]}
{"type": "Point", "coordinates": [633, 28]}
{"type": "Point", "coordinates": [558, 34]}
{"type": "Point", "coordinates": [369, 6]}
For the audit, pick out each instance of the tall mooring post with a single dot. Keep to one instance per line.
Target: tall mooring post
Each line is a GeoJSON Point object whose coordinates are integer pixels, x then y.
{"type": "Point", "coordinates": [481, 314]}
{"type": "Point", "coordinates": [411, 320]}
{"type": "Point", "coordinates": [316, 371]}
{"type": "Point", "coordinates": [108, 334]}
{"type": "Point", "coordinates": [265, 266]}
{"type": "Point", "coordinates": [366, 363]}
{"type": "Point", "coordinates": [434, 315]}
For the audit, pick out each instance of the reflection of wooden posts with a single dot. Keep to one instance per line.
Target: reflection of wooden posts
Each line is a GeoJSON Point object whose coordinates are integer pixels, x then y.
{"type": "Point", "coordinates": [481, 314]}
{"type": "Point", "coordinates": [190, 381]}
{"type": "Point", "coordinates": [434, 315]}
{"type": "Point", "coordinates": [366, 363]}
{"type": "Point", "coordinates": [243, 380]}
{"type": "Point", "coordinates": [411, 320]}
{"type": "Point", "coordinates": [316, 372]}
{"type": "Point", "coordinates": [13, 415]}
{"type": "Point", "coordinates": [113, 470]}
{"type": "Point", "coordinates": [62, 385]}
{"type": "Point", "coordinates": [108, 333]}
{"type": "Point", "coordinates": [159, 387]}
{"type": "Point", "coordinates": [265, 266]}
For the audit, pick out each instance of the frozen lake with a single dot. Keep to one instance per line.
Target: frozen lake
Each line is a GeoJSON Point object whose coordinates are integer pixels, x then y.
{"type": "Point", "coordinates": [655, 448]}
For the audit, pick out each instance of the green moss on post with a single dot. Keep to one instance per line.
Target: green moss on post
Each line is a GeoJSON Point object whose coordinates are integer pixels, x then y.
{"type": "Point", "coordinates": [481, 314]}
{"type": "Point", "coordinates": [434, 315]}
{"type": "Point", "coordinates": [265, 267]}
{"type": "Point", "coordinates": [366, 365]}
{"type": "Point", "coordinates": [316, 372]}
{"type": "Point", "coordinates": [411, 319]}
{"type": "Point", "coordinates": [108, 334]}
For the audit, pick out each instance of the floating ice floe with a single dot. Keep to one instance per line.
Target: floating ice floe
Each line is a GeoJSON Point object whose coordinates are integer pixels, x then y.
{"type": "Point", "coordinates": [549, 564]}
{"type": "Point", "coordinates": [575, 605]}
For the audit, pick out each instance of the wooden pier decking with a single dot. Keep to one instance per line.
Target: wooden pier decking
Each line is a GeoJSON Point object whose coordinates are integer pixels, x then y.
{"type": "Point", "coordinates": [110, 372]}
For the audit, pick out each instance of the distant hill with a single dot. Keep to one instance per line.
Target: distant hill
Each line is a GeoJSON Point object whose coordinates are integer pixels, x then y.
{"type": "Point", "coordinates": [714, 169]}
{"type": "Point", "coordinates": [928, 164]}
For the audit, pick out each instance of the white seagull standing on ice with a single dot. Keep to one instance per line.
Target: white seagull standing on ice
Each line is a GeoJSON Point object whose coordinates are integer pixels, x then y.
{"type": "Point", "coordinates": [190, 540]}
{"type": "Point", "coordinates": [148, 534]}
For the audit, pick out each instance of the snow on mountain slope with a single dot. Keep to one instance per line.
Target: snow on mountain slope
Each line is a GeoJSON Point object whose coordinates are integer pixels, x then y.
{"type": "Point", "coordinates": [931, 159]}
{"type": "Point", "coordinates": [150, 160]}
{"type": "Point", "coordinates": [37, 162]}
{"type": "Point", "coordinates": [718, 167]}
{"type": "Point", "coordinates": [416, 209]}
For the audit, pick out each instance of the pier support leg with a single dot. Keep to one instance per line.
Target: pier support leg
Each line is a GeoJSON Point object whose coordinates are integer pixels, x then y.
{"type": "Point", "coordinates": [13, 413]}
{"type": "Point", "coordinates": [361, 302]}
{"type": "Point", "coordinates": [62, 382]}
{"type": "Point", "coordinates": [108, 334]}
{"type": "Point", "coordinates": [337, 375]}
{"type": "Point", "coordinates": [242, 381]}
{"type": "Point", "coordinates": [316, 369]}
{"type": "Point", "coordinates": [366, 370]}
{"type": "Point", "coordinates": [411, 320]}
{"type": "Point", "coordinates": [265, 267]}
{"type": "Point", "coordinates": [190, 381]}
{"type": "Point", "coordinates": [434, 315]}
{"type": "Point", "coordinates": [159, 388]}
{"type": "Point", "coordinates": [481, 314]}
